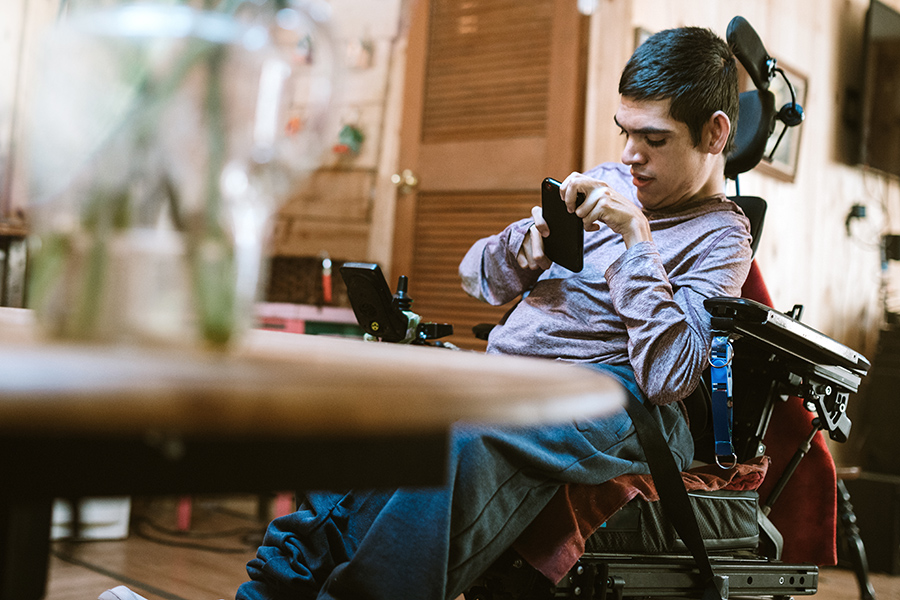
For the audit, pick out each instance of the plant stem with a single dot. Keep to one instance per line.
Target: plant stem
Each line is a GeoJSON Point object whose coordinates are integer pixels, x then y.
{"type": "Point", "coordinates": [212, 251]}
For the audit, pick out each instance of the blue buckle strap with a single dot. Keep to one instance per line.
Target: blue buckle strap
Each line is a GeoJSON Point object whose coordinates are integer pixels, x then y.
{"type": "Point", "coordinates": [720, 355]}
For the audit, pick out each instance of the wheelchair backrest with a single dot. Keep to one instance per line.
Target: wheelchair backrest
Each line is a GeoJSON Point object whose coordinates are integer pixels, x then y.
{"type": "Point", "coordinates": [754, 209]}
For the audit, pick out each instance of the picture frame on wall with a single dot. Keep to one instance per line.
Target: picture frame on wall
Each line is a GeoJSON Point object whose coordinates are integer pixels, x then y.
{"type": "Point", "coordinates": [781, 161]}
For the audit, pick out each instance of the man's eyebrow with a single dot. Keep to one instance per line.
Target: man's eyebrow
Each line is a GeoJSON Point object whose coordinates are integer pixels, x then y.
{"type": "Point", "coordinates": [643, 130]}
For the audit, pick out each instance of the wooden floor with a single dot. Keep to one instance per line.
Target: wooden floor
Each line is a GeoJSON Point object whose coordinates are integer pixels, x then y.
{"type": "Point", "coordinates": [208, 564]}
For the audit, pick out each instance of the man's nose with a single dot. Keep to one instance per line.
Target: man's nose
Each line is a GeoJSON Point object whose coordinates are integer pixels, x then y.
{"type": "Point", "coordinates": [631, 153]}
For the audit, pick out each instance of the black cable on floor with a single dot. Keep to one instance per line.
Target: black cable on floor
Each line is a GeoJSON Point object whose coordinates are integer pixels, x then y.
{"type": "Point", "coordinates": [246, 537]}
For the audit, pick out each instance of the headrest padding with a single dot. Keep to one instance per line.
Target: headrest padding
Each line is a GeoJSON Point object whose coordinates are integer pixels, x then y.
{"type": "Point", "coordinates": [756, 121]}
{"type": "Point", "coordinates": [749, 49]}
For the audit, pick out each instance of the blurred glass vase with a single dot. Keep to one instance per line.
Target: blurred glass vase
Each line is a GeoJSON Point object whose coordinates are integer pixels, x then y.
{"type": "Point", "coordinates": [162, 139]}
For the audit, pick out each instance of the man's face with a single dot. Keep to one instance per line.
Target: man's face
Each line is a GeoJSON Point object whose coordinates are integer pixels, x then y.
{"type": "Point", "coordinates": [667, 167]}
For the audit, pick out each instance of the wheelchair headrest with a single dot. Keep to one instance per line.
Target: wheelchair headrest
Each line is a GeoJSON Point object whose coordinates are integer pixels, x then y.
{"type": "Point", "coordinates": [756, 118]}
{"type": "Point", "coordinates": [749, 49]}
{"type": "Point", "coordinates": [756, 122]}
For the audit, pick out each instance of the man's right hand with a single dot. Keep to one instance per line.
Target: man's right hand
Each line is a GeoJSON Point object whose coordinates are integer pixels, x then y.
{"type": "Point", "coordinates": [531, 253]}
{"type": "Point", "coordinates": [605, 206]}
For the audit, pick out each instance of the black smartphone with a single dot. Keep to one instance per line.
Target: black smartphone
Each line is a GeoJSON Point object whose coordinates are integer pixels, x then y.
{"type": "Point", "coordinates": [565, 244]}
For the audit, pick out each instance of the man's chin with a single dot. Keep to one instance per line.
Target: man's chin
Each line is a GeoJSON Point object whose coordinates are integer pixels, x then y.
{"type": "Point", "coordinates": [645, 198]}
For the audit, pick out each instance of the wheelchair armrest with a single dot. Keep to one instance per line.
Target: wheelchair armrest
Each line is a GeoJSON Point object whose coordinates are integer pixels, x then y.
{"type": "Point", "coordinates": [820, 370]}
{"type": "Point", "coordinates": [783, 334]}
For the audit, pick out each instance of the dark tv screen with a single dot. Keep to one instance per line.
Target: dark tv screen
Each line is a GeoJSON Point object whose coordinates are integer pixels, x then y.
{"type": "Point", "coordinates": [880, 148]}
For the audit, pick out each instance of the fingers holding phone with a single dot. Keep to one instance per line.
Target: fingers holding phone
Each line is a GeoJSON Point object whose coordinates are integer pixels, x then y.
{"type": "Point", "coordinates": [604, 205]}
{"type": "Point", "coordinates": [540, 223]}
{"type": "Point", "coordinates": [575, 188]}
{"type": "Point", "coordinates": [531, 254]}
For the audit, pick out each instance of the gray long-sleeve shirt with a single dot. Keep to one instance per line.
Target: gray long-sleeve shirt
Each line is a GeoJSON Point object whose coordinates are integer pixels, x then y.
{"type": "Point", "coordinates": [642, 306]}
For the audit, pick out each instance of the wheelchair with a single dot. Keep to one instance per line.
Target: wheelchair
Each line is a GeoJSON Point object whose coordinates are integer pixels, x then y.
{"type": "Point", "coordinates": [760, 358]}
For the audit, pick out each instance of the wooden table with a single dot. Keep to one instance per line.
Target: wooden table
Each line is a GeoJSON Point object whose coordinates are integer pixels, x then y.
{"type": "Point", "coordinates": [279, 412]}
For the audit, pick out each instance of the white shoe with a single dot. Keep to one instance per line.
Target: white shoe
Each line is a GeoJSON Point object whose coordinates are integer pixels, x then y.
{"type": "Point", "coordinates": [120, 593]}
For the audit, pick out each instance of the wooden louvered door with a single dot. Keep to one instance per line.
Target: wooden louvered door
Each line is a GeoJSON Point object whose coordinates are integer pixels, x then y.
{"type": "Point", "coordinates": [494, 103]}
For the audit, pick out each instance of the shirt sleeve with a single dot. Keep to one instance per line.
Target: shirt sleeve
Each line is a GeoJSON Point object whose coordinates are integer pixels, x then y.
{"type": "Point", "coordinates": [489, 270]}
{"type": "Point", "coordinates": [668, 327]}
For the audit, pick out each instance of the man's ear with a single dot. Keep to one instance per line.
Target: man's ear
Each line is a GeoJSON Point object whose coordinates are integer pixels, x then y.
{"type": "Point", "coordinates": [716, 132]}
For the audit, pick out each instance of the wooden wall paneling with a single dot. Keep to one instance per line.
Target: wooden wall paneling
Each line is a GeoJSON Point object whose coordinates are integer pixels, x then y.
{"type": "Point", "coordinates": [825, 199]}
{"type": "Point", "coordinates": [826, 260]}
{"type": "Point", "coordinates": [654, 15]}
{"type": "Point", "coordinates": [608, 51]}
{"type": "Point", "coordinates": [302, 236]}
{"type": "Point", "coordinates": [570, 38]}
{"type": "Point", "coordinates": [694, 13]}
{"type": "Point", "coordinates": [334, 194]}
{"type": "Point", "coordinates": [343, 191]}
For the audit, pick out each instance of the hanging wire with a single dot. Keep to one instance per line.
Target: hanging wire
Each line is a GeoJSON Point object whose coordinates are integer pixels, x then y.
{"type": "Point", "coordinates": [793, 103]}
{"type": "Point", "coordinates": [777, 142]}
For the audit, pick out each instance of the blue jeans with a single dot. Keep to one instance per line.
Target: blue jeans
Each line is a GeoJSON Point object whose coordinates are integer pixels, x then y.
{"type": "Point", "coordinates": [430, 544]}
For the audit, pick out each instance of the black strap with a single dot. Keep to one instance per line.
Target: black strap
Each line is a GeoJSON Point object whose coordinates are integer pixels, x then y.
{"type": "Point", "coordinates": [673, 496]}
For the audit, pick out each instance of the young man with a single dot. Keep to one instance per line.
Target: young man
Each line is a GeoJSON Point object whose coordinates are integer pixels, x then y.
{"type": "Point", "coordinates": [661, 234]}
{"type": "Point", "coordinates": [661, 237]}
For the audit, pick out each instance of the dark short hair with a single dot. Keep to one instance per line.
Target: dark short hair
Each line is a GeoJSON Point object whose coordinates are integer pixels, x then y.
{"type": "Point", "coordinates": [691, 66]}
